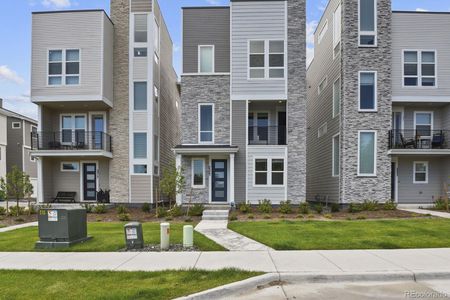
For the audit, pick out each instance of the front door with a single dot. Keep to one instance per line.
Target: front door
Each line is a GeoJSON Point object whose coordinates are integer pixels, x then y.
{"type": "Point", "coordinates": [219, 180]}
{"type": "Point", "coordinates": [90, 181]}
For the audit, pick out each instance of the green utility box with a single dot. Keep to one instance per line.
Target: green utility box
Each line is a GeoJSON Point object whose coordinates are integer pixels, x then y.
{"type": "Point", "coordinates": [134, 237]}
{"type": "Point", "coordinates": [61, 227]}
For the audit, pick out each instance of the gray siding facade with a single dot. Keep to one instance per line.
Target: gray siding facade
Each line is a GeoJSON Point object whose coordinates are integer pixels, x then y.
{"type": "Point", "coordinates": [239, 138]}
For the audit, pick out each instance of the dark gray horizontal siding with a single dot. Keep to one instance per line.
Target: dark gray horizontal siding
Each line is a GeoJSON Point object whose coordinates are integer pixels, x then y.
{"type": "Point", "coordinates": [141, 6]}
{"type": "Point", "coordinates": [239, 138]}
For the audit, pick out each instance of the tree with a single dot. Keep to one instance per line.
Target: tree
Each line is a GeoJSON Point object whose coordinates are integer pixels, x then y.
{"type": "Point", "coordinates": [172, 182]}
{"type": "Point", "coordinates": [28, 191]}
{"type": "Point", "coordinates": [17, 186]}
{"type": "Point", "coordinates": [3, 192]}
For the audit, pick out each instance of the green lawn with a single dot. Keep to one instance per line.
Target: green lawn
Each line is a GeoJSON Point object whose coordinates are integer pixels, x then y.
{"type": "Point", "coordinates": [322, 235]}
{"type": "Point", "coordinates": [112, 285]}
{"type": "Point", "coordinates": [106, 237]}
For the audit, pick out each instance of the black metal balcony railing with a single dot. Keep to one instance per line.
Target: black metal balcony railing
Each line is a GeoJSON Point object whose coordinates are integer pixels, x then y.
{"type": "Point", "coordinates": [419, 139]}
{"type": "Point", "coordinates": [71, 140]}
{"type": "Point", "coordinates": [267, 135]}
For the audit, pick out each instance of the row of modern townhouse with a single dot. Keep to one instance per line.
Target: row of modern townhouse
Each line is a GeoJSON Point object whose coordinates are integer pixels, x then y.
{"type": "Point", "coordinates": [367, 120]}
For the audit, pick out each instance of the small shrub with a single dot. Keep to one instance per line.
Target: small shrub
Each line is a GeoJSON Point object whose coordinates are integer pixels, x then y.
{"type": "Point", "coordinates": [146, 207]}
{"type": "Point", "coordinates": [250, 216]}
{"type": "Point", "coordinates": [196, 210]}
{"type": "Point", "coordinates": [285, 207]}
{"type": "Point", "coordinates": [46, 205]}
{"type": "Point", "coordinates": [245, 208]}
{"type": "Point", "coordinates": [19, 220]}
{"type": "Point", "coordinates": [233, 216]}
{"type": "Point", "coordinates": [16, 210]}
{"type": "Point", "coordinates": [354, 208]}
{"type": "Point", "coordinates": [169, 218]}
{"type": "Point", "coordinates": [32, 210]}
{"type": "Point", "coordinates": [349, 218]}
{"type": "Point", "coordinates": [370, 205]}
{"type": "Point", "coordinates": [319, 208]}
{"type": "Point", "coordinates": [124, 217]}
{"type": "Point", "coordinates": [121, 209]}
{"type": "Point", "coordinates": [440, 204]}
{"type": "Point", "coordinates": [390, 205]}
{"type": "Point", "coordinates": [281, 216]}
{"type": "Point", "coordinates": [176, 211]}
{"type": "Point", "coordinates": [267, 216]}
{"type": "Point", "coordinates": [300, 216]}
{"type": "Point", "coordinates": [88, 207]}
{"type": "Point", "coordinates": [99, 219]}
{"type": "Point", "coordinates": [361, 217]}
{"type": "Point", "coordinates": [101, 209]}
{"type": "Point", "coordinates": [2, 211]}
{"type": "Point", "coordinates": [328, 216]}
{"type": "Point", "coordinates": [335, 207]}
{"type": "Point", "coordinates": [161, 212]}
{"type": "Point", "coordinates": [304, 208]}
{"type": "Point", "coordinates": [188, 220]}
{"type": "Point", "coordinates": [310, 216]}
{"type": "Point", "coordinates": [265, 206]}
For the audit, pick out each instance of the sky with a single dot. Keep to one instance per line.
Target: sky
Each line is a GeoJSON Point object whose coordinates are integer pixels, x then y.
{"type": "Point", "coordinates": [15, 36]}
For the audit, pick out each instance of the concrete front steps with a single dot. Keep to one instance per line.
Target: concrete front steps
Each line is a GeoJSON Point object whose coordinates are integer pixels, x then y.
{"type": "Point", "coordinates": [215, 214]}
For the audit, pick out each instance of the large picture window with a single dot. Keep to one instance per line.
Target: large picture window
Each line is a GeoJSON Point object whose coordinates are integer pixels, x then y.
{"type": "Point", "coordinates": [64, 67]}
{"type": "Point", "coordinates": [206, 123]}
{"type": "Point", "coordinates": [367, 23]}
{"type": "Point", "coordinates": [367, 91]}
{"type": "Point", "coordinates": [419, 68]}
{"type": "Point", "coordinates": [367, 143]}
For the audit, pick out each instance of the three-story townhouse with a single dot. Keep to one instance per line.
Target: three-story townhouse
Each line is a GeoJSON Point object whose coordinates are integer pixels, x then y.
{"type": "Point", "coordinates": [243, 103]}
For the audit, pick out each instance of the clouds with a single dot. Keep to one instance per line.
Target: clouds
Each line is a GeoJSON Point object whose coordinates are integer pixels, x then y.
{"type": "Point", "coordinates": [310, 29]}
{"type": "Point", "coordinates": [56, 3]}
{"type": "Point", "coordinates": [21, 105]}
{"type": "Point", "coordinates": [421, 9]}
{"type": "Point", "coordinates": [213, 2]}
{"type": "Point", "coordinates": [9, 75]}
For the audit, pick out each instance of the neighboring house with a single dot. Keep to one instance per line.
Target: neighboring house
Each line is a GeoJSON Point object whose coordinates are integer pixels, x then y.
{"type": "Point", "coordinates": [15, 144]}
{"type": "Point", "coordinates": [108, 101]}
{"type": "Point", "coordinates": [373, 71]}
{"type": "Point", "coordinates": [243, 98]}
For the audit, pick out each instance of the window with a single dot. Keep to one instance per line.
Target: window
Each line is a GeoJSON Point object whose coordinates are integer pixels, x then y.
{"type": "Point", "coordinates": [198, 173]}
{"type": "Point", "coordinates": [337, 20]}
{"type": "Point", "coordinates": [367, 23]}
{"type": "Point", "coordinates": [261, 171]}
{"type": "Point", "coordinates": [16, 125]}
{"type": "Point", "coordinates": [140, 145]}
{"type": "Point", "coordinates": [336, 156]}
{"type": "Point", "coordinates": [140, 28]}
{"type": "Point", "coordinates": [156, 94]}
{"type": "Point", "coordinates": [156, 37]}
{"type": "Point", "coordinates": [419, 68]}
{"type": "Point", "coordinates": [155, 148]}
{"type": "Point", "coordinates": [70, 166]}
{"type": "Point", "coordinates": [322, 85]}
{"type": "Point", "coordinates": [140, 52]}
{"type": "Point", "coordinates": [258, 127]}
{"type": "Point", "coordinates": [423, 124]}
{"type": "Point", "coordinates": [322, 130]}
{"type": "Point", "coordinates": [420, 172]}
{"type": "Point", "coordinates": [266, 59]}
{"type": "Point", "coordinates": [140, 169]}
{"type": "Point", "coordinates": [337, 97]}
{"type": "Point", "coordinates": [64, 67]}
{"type": "Point", "coordinates": [367, 91]}
{"type": "Point", "coordinates": [277, 172]}
{"type": "Point", "coordinates": [323, 31]}
{"type": "Point", "coordinates": [264, 167]}
{"type": "Point", "coordinates": [206, 123]}
{"type": "Point", "coordinates": [206, 59]}
{"type": "Point", "coordinates": [140, 96]}
{"type": "Point", "coordinates": [367, 143]}
{"type": "Point", "coordinates": [73, 129]}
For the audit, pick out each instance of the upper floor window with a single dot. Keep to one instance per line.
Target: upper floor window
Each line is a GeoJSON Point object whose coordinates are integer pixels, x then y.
{"type": "Point", "coordinates": [16, 125]}
{"type": "Point", "coordinates": [206, 123]}
{"type": "Point", "coordinates": [64, 67]}
{"type": "Point", "coordinates": [140, 28]}
{"type": "Point", "coordinates": [323, 129]}
{"type": "Point", "coordinates": [266, 59]}
{"type": "Point", "coordinates": [323, 31]}
{"type": "Point", "coordinates": [336, 97]}
{"type": "Point", "coordinates": [140, 145]}
{"type": "Point", "coordinates": [367, 153]}
{"type": "Point", "coordinates": [367, 23]}
{"type": "Point", "coordinates": [367, 91]}
{"type": "Point", "coordinates": [322, 85]}
{"type": "Point", "coordinates": [337, 19]}
{"type": "Point", "coordinates": [419, 68]}
{"type": "Point", "coordinates": [73, 129]}
{"type": "Point", "coordinates": [206, 59]}
{"type": "Point", "coordinates": [140, 96]}
{"type": "Point", "coordinates": [336, 156]}
{"type": "Point", "coordinates": [140, 52]}
{"type": "Point", "coordinates": [156, 37]}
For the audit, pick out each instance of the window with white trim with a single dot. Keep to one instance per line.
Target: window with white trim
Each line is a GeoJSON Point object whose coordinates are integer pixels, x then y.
{"type": "Point", "coordinates": [206, 59]}
{"type": "Point", "coordinates": [337, 97]}
{"type": "Point", "coordinates": [140, 52]}
{"type": "Point", "coordinates": [367, 153]}
{"type": "Point", "coordinates": [206, 123]}
{"type": "Point", "coordinates": [322, 130]}
{"type": "Point", "coordinates": [277, 172]}
{"type": "Point", "coordinates": [156, 37]}
{"type": "Point", "coordinates": [73, 129]}
{"type": "Point", "coordinates": [140, 28]}
{"type": "Point", "coordinates": [257, 59]}
{"type": "Point", "coordinates": [322, 32]}
{"type": "Point", "coordinates": [367, 91]}
{"type": "Point", "coordinates": [337, 29]}
{"type": "Point", "coordinates": [269, 171]}
{"type": "Point", "coordinates": [336, 156]}
{"type": "Point", "coordinates": [367, 12]}
{"type": "Point", "coordinates": [140, 169]}
{"type": "Point", "coordinates": [261, 170]}
{"type": "Point", "coordinates": [140, 145]}
{"type": "Point", "coordinates": [322, 85]}
{"type": "Point", "coordinates": [276, 59]}
{"type": "Point", "coordinates": [419, 68]}
{"type": "Point", "coordinates": [140, 95]}
{"type": "Point", "coordinates": [423, 124]}
{"type": "Point", "coordinates": [198, 172]}
{"type": "Point", "coordinates": [16, 125]}
{"type": "Point", "coordinates": [69, 166]}
{"type": "Point", "coordinates": [420, 172]}
{"type": "Point", "coordinates": [266, 59]}
{"type": "Point", "coordinates": [64, 67]}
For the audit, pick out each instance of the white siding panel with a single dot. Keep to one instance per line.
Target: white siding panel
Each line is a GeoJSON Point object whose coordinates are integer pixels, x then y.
{"type": "Point", "coordinates": [140, 70]}
{"type": "Point", "coordinates": [140, 121]}
{"type": "Point", "coordinates": [141, 188]}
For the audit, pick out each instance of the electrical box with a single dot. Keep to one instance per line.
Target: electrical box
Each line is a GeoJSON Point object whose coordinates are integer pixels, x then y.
{"type": "Point", "coordinates": [61, 227]}
{"type": "Point", "coordinates": [134, 237]}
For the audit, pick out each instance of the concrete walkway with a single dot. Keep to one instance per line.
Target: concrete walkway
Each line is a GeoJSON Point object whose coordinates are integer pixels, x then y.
{"type": "Point", "coordinates": [14, 227]}
{"type": "Point", "coordinates": [344, 262]}
{"type": "Point", "coordinates": [440, 214]}
{"type": "Point", "coordinates": [217, 231]}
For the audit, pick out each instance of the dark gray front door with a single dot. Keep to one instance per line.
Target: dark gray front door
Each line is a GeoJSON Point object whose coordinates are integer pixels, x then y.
{"type": "Point", "coordinates": [90, 181]}
{"type": "Point", "coordinates": [219, 180]}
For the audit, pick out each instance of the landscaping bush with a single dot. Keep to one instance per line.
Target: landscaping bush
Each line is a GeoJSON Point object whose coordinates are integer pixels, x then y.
{"type": "Point", "coordinates": [100, 209]}
{"type": "Point", "coordinates": [2, 211]}
{"type": "Point", "coordinates": [19, 220]}
{"type": "Point", "coordinates": [121, 209]}
{"type": "Point", "coordinates": [303, 208]}
{"type": "Point", "coordinates": [146, 207]}
{"type": "Point", "coordinates": [250, 216]}
{"type": "Point", "coordinates": [245, 208]}
{"type": "Point", "coordinates": [124, 217]}
{"type": "Point", "coordinates": [233, 216]}
{"type": "Point", "coordinates": [266, 216]}
{"type": "Point", "coordinates": [286, 207]}
{"type": "Point", "coordinates": [188, 220]}
{"type": "Point", "coordinates": [169, 218]}
{"type": "Point", "coordinates": [265, 206]}
{"type": "Point", "coordinates": [354, 208]}
{"type": "Point", "coordinates": [319, 208]}
{"type": "Point", "coordinates": [361, 217]}
{"type": "Point", "coordinates": [390, 205]}
{"type": "Point", "coordinates": [440, 204]}
{"type": "Point", "coordinates": [161, 212]}
{"type": "Point", "coordinates": [328, 216]}
{"type": "Point", "coordinates": [370, 205]}
{"type": "Point", "coordinates": [176, 211]}
{"type": "Point", "coordinates": [335, 207]}
{"type": "Point", "coordinates": [16, 210]}
{"type": "Point", "coordinates": [88, 207]}
{"type": "Point", "coordinates": [196, 210]}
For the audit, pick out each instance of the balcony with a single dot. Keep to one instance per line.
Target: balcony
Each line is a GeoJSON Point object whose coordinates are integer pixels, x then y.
{"type": "Point", "coordinates": [420, 141]}
{"type": "Point", "coordinates": [71, 141]}
{"type": "Point", "coordinates": [267, 135]}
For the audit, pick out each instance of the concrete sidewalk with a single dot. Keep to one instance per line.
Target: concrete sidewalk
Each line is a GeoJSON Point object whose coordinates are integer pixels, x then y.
{"type": "Point", "coordinates": [299, 262]}
{"type": "Point", "coordinates": [434, 213]}
{"type": "Point", "coordinates": [14, 227]}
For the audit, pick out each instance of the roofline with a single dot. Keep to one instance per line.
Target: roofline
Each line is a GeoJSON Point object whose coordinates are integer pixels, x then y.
{"type": "Point", "coordinates": [421, 12]}
{"type": "Point", "coordinates": [205, 7]}
{"type": "Point", "coordinates": [10, 113]}
{"type": "Point", "coordinates": [72, 11]}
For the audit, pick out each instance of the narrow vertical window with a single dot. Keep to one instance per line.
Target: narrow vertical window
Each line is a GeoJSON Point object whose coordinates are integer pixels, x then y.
{"type": "Point", "coordinates": [140, 96]}
{"type": "Point", "coordinates": [206, 123]}
{"type": "Point", "coordinates": [367, 23]}
{"type": "Point", "coordinates": [428, 69]}
{"type": "Point", "coordinates": [423, 124]}
{"type": "Point", "coordinates": [420, 172]}
{"type": "Point", "coordinates": [368, 91]}
{"type": "Point", "coordinates": [156, 37]}
{"type": "Point", "coordinates": [72, 67]}
{"type": "Point", "coordinates": [336, 98]}
{"type": "Point", "coordinates": [261, 171]}
{"type": "Point", "coordinates": [257, 59]}
{"type": "Point", "coordinates": [277, 172]}
{"type": "Point", "coordinates": [322, 32]}
{"type": "Point", "coordinates": [276, 59]}
{"type": "Point", "coordinates": [336, 156]}
{"type": "Point", "coordinates": [206, 59]}
{"type": "Point", "coordinates": [198, 172]}
{"type": "Point", "coordinates": [140, 28]}
{"type": "Point", "coordinates": [337, 19]}
{"type": "Point", "coordinates": [410, 68]}
{"type": "Point", "coordinates": [367, 153]}
{"type": "Point", "coordinates": [55, 65]}
{"type": "Point", "coordinates": [140, 145]}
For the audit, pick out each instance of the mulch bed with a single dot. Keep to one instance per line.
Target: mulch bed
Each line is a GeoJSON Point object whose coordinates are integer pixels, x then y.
{"type": "Point", "coordinates": [13, 220]}
{"type": "Point", "coordinates": [136, 214]}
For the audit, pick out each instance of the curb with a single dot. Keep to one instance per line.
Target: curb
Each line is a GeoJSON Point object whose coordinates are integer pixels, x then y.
{"type": "Point", "coordinates": [347, 277]}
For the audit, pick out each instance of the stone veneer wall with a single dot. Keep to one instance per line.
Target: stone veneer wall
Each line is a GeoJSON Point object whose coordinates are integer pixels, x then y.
{"type": "Point", "coordinates": [205, 89]}
{"type": "Point", "coordinates": [354, 59]}
{"type": "Point", "coordinates": [119, 118]}
{"type": "Point", "coordinates": [197, 195]}
{"type": "Point", "coordinates": [296, 105]}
